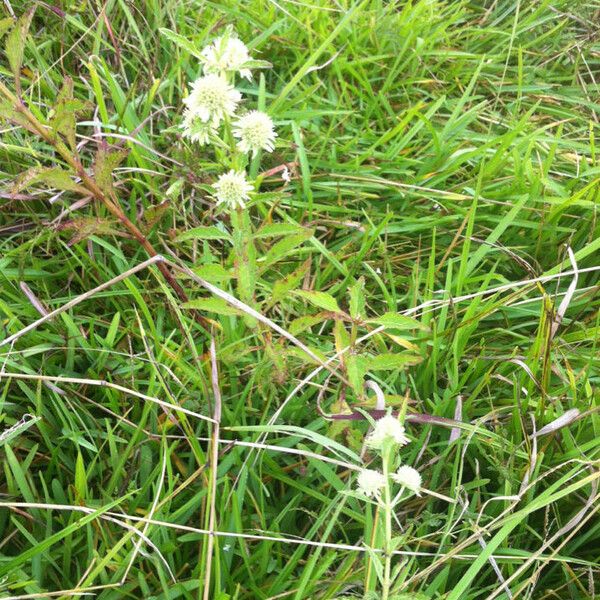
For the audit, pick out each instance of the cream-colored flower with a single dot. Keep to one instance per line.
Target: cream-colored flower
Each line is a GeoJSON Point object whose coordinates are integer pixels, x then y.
{"type": "Point", "coordinates": [409, 478]}
{"type": "Point", "coordinates": [197, 130]}
{"type": "Point", "coordinates": [233, 189]}
{"type": "Point", "coordinates": [255, 131]}
{"type": "Point", "coordinates": [212, 98]}
{"type": "Point", "coordinates": [387, 428]}
{"type": "Point", "coordinates": [370, 482]}
{"type": "Point", "coordinates": [226, 53]}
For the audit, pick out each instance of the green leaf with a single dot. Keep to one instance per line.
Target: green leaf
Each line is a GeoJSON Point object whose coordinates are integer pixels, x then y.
{"type": "Point", "coordinates": [80, 477]}
{"type": "Point", "coordinates": [389, 362]}
{"type": "Point", "coordinates": [302, 323]}
{"type": "Point", "coordinates": [5, 25]}
{"type": "Point", "coordinates": [216, 305]}
{"type": "Point", "coordinates": [105, 163]}
{"type": "Point", "coordinates": [279, 229]}
{"type": "Point", "coordinates": [357, 299]}
{"type": "Point", "coordinates": [282, 287]}
{"type": "Point", "coordinates": [15, 42]}
{"type": "Point", "coordinates": [282, 247]}
{"type": "Point", "coordinates": [394, 320]}
{"type": "Point", "coordinates": [356, 369]}
{"type": "Point", "coordinates": [213, 273]}
{"type": "Point", "coordinates": [66, 111]}
{"type": "Point", "coordinates": [320, 300]}
{"type": "Point", "coordinates": [182, 42]}
{"type": "Point", "coordinates": [53, 177]}
{"type": "Point", "coordinates": [203, 233]}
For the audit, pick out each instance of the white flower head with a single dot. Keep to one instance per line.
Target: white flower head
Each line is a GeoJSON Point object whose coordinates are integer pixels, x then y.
{"type": "Point", "coordinates": [197, 130]}
{"type": "Point", "coordinates": [370, 482]}
{"type": "Point", "coordinates": [409, 478]}
{"type": "Point", "coordinates": [255, 132]}
{"type": "Point", "coordinates": [387, 429]}
{"type": "Point", "coordinates": [212, 98]}
{"type": "Point", "coordinates": [233, 189]}
{"type": "Point", "coordinates": [226, 53]}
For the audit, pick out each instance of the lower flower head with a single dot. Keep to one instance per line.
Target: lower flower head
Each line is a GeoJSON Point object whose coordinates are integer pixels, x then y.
{"type": "Point", "coordinates": [233, 189]}
{"type": "Point", "coordinates": [409, 478]}
{"type": "Point", "coordinates": [370, 482]}
{"type": "Point", "coordinates": [387, 429]}
{"type": "Point", "coordinates": [212, 99]}
{"type": "Point", "coordinates": [255, 132]}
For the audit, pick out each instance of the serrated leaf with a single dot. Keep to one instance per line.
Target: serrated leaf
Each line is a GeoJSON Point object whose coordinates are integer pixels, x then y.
{"type": "Point", "coordinates": [154, 213]}
{"type": "Point", "coordinates": [282, 287]}
{"type": "Point", "coordinates": [356, 369]}
{"type": "Point", "coordinates": [216, 305]}
{"type": "Point", "coordinates": [10, 113]}
{"type": "Point", "coordinates": [213, 273]}
{"type": "Point", "coordinates": [182, 42]}
{"type": "Point", "coordinates": [342, 338]}
{"type": "Point", "coordinates": [66, 111]}
{"type": "Point", "coordinates": [389, 362]}
{"type": "Point", "coordinates": [279, 229]}
{"type": "Point", "coordinates": [357, 299]}
{"type": "Point", "coordinates": [320, 300]}
{"type": "Point", "coordinates": [302, 323]}
{"type": "Point", "coordinates": [203, 233]}
{"type": "Point", "coordinates": [5, 25]}
{"type": "Point", "coordinates": [53, 177]}
{"type": "Point", "coordinates": [84, 227]}
{"type": "Point", "coordinates": [105, 163]}
{"type": "Point", "coordinates": [394, 320]}
{"type": "Point", "coordinates": [15, 42]}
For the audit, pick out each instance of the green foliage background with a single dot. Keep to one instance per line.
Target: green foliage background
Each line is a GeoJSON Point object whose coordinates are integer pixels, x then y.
{"type": "Point", "coordinates": [437, 150]}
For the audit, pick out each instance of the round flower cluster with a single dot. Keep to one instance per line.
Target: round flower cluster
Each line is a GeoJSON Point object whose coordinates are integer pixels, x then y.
{"type": "Point", "coordinates": [213, 100]}
{"type": "Point", "coordinates": [226, 53]}
{"type": "Point", "coordinates": [388, 433]}
{"type": "Point", "coordinates": [232, 189]}
{"type": "Point", "coordinates": [255, 131]}
{"type": "Point", "coordinates": [387, 429]}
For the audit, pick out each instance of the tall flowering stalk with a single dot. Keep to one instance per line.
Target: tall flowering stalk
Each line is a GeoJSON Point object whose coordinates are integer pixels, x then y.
{"type": "Point", "coordinates": [215, 114]}
{"type": "Point", "coordinates": [386, 489]}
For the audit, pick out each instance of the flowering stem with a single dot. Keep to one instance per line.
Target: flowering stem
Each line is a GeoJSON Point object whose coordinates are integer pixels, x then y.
{"type": "Point", "coordinates": [387, 544]}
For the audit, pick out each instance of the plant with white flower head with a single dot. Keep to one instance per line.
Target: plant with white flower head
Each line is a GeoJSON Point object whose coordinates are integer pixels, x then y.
{"type": "Point", "coordinates": [386, 488]}
{"type": "Point", "coordinates": [212, 117]}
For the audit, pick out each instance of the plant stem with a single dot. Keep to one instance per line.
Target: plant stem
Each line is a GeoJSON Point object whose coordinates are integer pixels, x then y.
{"type": "Point", "coordinates": [387, 544]}
{"type": "Point", "coordinates": [88, 182]}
